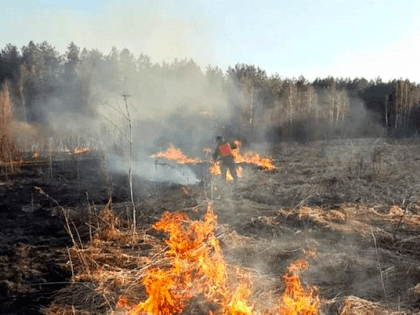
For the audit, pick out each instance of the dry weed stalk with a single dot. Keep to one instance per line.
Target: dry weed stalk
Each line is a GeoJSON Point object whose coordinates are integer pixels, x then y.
{"type": "Point", "coordinates": [377, 159]}
{"type": "Point", "coordinates": [9, 150]}
{"type": "Point", "coordinates": [377, 257]}
{"type": "Point", "coordinates": [406, 204]}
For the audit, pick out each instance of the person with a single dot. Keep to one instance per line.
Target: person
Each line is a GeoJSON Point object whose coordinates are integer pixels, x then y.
{"type": "Point", "coordinates": [224, 153]}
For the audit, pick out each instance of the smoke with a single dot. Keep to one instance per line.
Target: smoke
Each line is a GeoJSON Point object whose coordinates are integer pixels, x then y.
{"type": "Point", "coordinates": [361, 122]}
{"type": "Point", "coordinates": [148, 169]}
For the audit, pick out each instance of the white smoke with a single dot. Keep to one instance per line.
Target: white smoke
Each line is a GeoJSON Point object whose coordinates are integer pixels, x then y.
{"type": "Point", "coordinates": [148, 169]}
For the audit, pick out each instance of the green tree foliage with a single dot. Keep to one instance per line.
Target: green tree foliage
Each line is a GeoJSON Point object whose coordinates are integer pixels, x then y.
{"type": "Point", "coordinates": [10, 60]}
{"type": "Point", "coordinates": [72, 63]}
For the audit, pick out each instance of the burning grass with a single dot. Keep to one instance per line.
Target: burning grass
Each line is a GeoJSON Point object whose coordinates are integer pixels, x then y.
{"type": "Point", "coordinates": [366, 254]}
{"type": "Point", "coordinates": [175, 154]}
{"type": "Point", "coordinates": [249, 157]}
{"type": "Point", "coordinates": [116, 269]}
{"type": "Point", "coordinates": [177, 267]}
{"type": "Point", "coordinates": [79, 150]}
{"type": "Point", "coordinates": [216, 170]}
{"type": "Point", "coordinates": [252, 157]}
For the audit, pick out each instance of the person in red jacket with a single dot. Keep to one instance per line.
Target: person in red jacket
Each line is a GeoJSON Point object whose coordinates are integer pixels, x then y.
{"type": "Point", "coordinates": [224, 153]}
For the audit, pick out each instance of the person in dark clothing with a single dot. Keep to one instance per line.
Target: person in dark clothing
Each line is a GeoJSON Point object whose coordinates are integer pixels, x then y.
{"type": "Point", "coordinates": [224, 153]}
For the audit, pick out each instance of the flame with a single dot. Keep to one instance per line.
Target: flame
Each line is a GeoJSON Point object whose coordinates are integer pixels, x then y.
{"type": "Point", "coordinates": [215, 170]}
{"type": "Point", "coordinates": [251, 157]}
{"type": "Point", "coordinates": [196, 268]}
{"type": "Point", "coordinates": [79, 151]}
{"type": "Point", "coordinates": [295, 300]}
{"type": "Point", "coordinates": [123, 303]}
{"type": "Point", "coordinates": [239, 171]}
{"type": "Point", "coordinates": [175, 154]}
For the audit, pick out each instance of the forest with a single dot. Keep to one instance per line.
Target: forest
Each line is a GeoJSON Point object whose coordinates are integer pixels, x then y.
{"type": "Point", "coordinates": [67, 91]}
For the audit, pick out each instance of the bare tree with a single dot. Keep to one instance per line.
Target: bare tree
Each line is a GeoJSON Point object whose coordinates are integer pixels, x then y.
{"type": "Point", "coordinates": [126, 114]}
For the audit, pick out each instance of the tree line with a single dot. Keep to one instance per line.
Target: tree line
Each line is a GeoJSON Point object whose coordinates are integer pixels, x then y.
{"type": "Point", "coordinates": [257, 105]}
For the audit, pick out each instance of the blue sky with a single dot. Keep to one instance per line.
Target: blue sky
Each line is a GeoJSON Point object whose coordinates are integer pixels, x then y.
{"type": "Point", "coordinates": [291, 38]}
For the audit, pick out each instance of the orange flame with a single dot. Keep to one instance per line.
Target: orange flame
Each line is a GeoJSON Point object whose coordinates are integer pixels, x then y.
{"type": "Point", "coordinates": [196, 267]}
{"type": "Point", "coordinates": [295, 300]}
{"type": "Point", "coordinates": [175, 154]}
{"type": "Point", "coordinates": [251, 157]}
{"type": "Point", "coordinates": [79, 151]}
{"type": "Point", "coordinates": [215, 170]}
{"type": "Point", "coordinates": [123, 303]}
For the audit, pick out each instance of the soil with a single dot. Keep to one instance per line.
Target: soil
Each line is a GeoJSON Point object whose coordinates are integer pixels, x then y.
{"type": "Point", "coordinates": [335, 198]}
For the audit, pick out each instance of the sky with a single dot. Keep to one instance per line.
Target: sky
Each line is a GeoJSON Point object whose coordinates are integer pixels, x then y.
{"type": "Point", "coordinates": [344, 39]}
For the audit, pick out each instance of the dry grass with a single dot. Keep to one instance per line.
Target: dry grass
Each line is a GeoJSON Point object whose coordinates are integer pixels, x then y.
{"type": "Point", "coordinates": [114, 263]}
{"type": "Point", "coordinates": [9, 150]}
{"type": "Point", "coordinates": [357, 218]}
{"type": "Point", "coordinates": [353, 305]}
{"type": "Point", "coordinates": [111, 264]}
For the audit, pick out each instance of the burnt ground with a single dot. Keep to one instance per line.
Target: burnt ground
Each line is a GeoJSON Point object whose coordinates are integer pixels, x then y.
{"type": "Point", "coordinates": [335, 198]}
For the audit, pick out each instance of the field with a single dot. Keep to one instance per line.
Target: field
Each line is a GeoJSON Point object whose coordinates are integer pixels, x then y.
{"type": "Point", "coordinates": [349, 208]}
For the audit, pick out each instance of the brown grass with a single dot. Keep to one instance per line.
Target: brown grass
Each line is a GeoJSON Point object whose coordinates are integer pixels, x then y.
{"type": "Point", "coordinates": [113, 263]}
{"type": "Point", "coordinates": [108, 266]}
{"type": "Point", "coordinates": [353, 305]}
{"type": "Point", "coordinates": [357, 218]}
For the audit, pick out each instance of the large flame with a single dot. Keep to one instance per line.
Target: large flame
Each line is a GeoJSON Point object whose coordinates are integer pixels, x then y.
{"type": "Point", "coordinates": [251, 157]}
{"type": "Point", "coordinates": [175, 154]}
{"type": "Point", "coordinates": [195, 267]}
{"type": "Point", "coordinates": [295, 299]}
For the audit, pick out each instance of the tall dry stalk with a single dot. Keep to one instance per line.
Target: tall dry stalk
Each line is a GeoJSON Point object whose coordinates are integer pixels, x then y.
{"type": "Point", "coordinates": [130, 171]}
{"type": "Point", "coordinates": [8, 146]}
{"type": "Point", "coordinates": [128, 116]}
